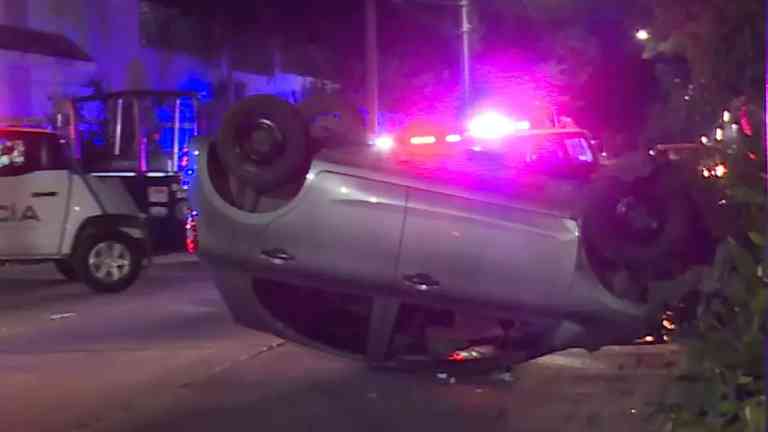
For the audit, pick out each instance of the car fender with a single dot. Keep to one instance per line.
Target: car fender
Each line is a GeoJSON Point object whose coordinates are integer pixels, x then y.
{"type": "Point", "coordinates": [132, 225]}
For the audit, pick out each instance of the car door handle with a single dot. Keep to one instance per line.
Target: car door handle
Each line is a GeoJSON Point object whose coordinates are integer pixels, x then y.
{"type": "Point", "coordinates": [421, 281]}
{"type": "Point", "coordinates": [44, 194]}
{"type": "Point", "coordinates": [277, 256]}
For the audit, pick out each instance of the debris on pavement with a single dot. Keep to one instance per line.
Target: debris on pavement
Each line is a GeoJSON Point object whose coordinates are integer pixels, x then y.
{"type": "Point", "coordinates": [505, 376]}
{"type": "Point", "coordinates": [445, 378]}
{"type": "Point", "coordinates": [59, 316]}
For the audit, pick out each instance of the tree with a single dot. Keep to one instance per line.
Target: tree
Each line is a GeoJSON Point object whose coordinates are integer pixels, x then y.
{"type": "Point", "coordinates": [723, 44]}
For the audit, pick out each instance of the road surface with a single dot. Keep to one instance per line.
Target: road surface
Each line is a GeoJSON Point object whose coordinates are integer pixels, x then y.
{"type": "Point", "coordinates": [165, 356]}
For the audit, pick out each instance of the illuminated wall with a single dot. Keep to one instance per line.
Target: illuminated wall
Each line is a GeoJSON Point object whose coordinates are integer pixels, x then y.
{"type": "Point", "coordinates": [108, 30]}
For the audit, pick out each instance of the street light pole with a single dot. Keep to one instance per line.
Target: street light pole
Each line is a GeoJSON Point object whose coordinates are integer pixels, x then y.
{"type": "Point", "coordinates": [372, 66]}
{"type": "Point", "coordinates": [466, 29]}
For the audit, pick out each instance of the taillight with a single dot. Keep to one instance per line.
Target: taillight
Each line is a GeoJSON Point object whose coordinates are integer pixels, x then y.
{"type": "Point", "coordinates": [192, 242]}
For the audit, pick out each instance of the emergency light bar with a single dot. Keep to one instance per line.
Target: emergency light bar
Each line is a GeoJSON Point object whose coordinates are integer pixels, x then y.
{"type": "Point", "coordinates": [492, 125]}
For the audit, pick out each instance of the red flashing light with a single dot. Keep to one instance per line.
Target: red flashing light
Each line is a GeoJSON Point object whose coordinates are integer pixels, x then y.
{"type": "Point", "coordinates": [192, 243]}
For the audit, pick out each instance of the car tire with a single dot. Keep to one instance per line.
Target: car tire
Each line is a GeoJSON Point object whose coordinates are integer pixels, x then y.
{"type": "Point", "coordinates": [122, 266]}
{"type": "Point", "coordinates": [606, 232]}
{"type": "Point", "coordinates": [263, 143]}
{"type": "Point", "coordinates": [66, 269]}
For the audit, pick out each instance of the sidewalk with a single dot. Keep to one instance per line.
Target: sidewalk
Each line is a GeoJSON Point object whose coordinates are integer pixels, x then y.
{"type": "Point", "coordinates": [294, 389]}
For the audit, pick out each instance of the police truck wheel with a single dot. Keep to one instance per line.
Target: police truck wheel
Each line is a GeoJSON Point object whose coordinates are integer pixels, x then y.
{"type": "Point", "coordinates": [66, 269]}
{"type": "Point", "coordinates": [109, 262]}
{"type": "Point", "coordinates": [263, 143]}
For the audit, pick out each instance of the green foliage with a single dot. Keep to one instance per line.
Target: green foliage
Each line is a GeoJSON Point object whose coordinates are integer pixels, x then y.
{"type": "Point", "coordinates": [723, 388]}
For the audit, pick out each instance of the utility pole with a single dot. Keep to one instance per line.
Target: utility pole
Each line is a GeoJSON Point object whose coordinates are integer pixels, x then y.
{"type": "Point", "coordinates": [466, 55]}
{"type": "Point", "coordinates": [372, 66]}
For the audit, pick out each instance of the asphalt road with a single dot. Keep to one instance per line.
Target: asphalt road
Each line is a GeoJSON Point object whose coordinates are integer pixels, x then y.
{"type": "Point", "coordinates": [164, 356]}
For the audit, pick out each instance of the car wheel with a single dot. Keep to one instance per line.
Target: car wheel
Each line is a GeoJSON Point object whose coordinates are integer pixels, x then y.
{"type": "Point", "coordinates": [263, 143]}
{"type": "Point", "coordinates": [66, 269]}
{"type": "Point", "coordinates": [108, 262]}
{"type": "Point", "coordinates": [641, 224]}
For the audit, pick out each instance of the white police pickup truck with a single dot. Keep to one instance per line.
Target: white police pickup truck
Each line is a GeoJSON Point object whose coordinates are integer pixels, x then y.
{"type": "Point", "coordinates": [52, 211]}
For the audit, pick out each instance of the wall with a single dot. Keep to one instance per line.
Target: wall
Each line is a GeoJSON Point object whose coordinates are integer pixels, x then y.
{"type": "Point", "coordinates": [31, 82]}
{"type": "Point", "coordinates": [108, 30]}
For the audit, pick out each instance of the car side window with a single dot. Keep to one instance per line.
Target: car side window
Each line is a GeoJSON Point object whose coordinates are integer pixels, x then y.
{"type": "Point", "coordinates": [13, 157]}
{"type": "Point", "coordinates": [25, 152]}
{"type": "Point", "coordinates": [578, 148]}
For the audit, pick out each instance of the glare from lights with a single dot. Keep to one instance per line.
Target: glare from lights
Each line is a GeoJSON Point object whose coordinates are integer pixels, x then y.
{"type": "Point", "coordinates": [373, 200]}
{"type": "Point", "coordinates": [705, 172]}
{"type": "Point", "coordinates": [384, 142]}
{"type": "Point", "coordinates": [310, 176]}
{"type": "Point", "coordinates": [643, 34]}
{"type": "Point", "coordinates": [720, 171]}
{"type": "Point", "coordinates": [491, 125]}
{"type": "Point", "coordinates": [523, 125]}
{"type": "Point", "coordinates": [704, 139]}
{"type": "Point", "coordinates": [344, 190]}
{"type": "Point", "coordinates": [419, 140]}
{"type": "Point", "coordinates": [477, 148]}
{"type": "Point", "coordinates": [719, 134]}
{"type": "Point", "coordinates": [726, 116]}
{"type": "Point", "coordinates": [453, 138]}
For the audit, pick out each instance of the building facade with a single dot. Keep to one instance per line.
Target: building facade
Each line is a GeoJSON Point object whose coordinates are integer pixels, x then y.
{"type": "Point", "coordinates": [52, 49]}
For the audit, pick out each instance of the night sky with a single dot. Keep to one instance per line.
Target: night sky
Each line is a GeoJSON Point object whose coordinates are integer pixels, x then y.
{"type": "Point", "coordinates": [416, 39]}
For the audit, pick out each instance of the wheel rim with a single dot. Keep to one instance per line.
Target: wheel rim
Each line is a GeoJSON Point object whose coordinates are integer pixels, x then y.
{"type": "Point", "coordinates": [261, 141]}
{"type": "Point", "coordinates": [109, 261]}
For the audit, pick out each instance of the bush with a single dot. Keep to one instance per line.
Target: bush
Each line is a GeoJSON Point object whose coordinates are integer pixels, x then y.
{"type": "Point", "coordinates": [723, 388]}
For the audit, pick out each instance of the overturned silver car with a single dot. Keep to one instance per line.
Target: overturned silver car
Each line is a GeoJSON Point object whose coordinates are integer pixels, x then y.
{"type": "Point", "coordinates": [467, 254]}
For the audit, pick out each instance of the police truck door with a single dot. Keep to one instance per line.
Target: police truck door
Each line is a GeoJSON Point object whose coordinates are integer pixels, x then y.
{"type": "Point", "coordinates": [34, 193]}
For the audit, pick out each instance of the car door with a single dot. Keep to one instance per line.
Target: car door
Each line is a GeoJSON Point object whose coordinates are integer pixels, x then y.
{"type": "Point", "coordinates": [471, 249]}
{"type": "Point", "coordinates": [343, 228]}
{"type": "Point", "coordinates": [34, 201]}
